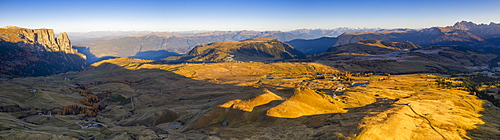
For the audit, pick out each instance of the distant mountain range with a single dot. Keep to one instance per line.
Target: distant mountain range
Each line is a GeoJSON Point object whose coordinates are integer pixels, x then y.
{"type": "Point", "coordinates": [300, 33]}
{"type": "Point", "coordinates": [128, 44]}
{"type": "Point", "coordinates": [462, 33]}
{"type": "Point", "coordinates": [157, 45]}
{"type": "Point", "coordinates": [465, 33]}
{"type": "Point", "coordinates": [172, 43]}
{"type": "Point", "coordinates": [318, 33]}
{"type": "Point", "coordinates": [313, 46]}
{"type": "Point", "coordinates": [86, 36]}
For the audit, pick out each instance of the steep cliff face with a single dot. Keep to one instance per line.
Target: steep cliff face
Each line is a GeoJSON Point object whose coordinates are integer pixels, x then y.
{"type": "Point", "coordinates": [43, 37]}
{"type": "Point", "coordinates": [64, 43]}
{"type": "Point", "coordinates": [36, 52]}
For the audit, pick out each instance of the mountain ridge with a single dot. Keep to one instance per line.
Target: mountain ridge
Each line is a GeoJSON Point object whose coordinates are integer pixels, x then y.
{"type": "Point", "coordinates": [171, 42]}
{"type": "Point", "coordinates": [460, 33]}
{"type": "Point", "coordinates": [318, 33]}
{"type": "Point", "coordinates": [37, 52]}
{"type": "Point", "coordinates": [405, 57]}
{"type": "Point", "coordinates": [257, 49]}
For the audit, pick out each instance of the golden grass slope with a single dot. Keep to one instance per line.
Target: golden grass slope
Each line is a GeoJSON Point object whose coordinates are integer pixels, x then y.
{"type": "Point", "coordinates": [423, 110]}
{"type": "Point", "coordinates": [306, 102]}
{"type": "Point", "coordinates": [239, 74]}
{"type": "Point", "coordinates": [433, 112]}
{"type": "Point", "coordinates": [248, 105]}
{"type": "Point", "coordinates": [379, 44]}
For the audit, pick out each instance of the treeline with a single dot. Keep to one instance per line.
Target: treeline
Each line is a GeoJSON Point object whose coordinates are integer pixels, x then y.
{"type": "Point", "coordinates": [472, 83]}
{"type": "Point", "coordinates": [346, 76]}
{"type": "Point", "coordinates": [77, 109]}
{"type": "Point", "coordinates": [91, 99]}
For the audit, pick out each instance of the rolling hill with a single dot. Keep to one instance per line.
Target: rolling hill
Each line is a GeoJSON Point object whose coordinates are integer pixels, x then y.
{"type": "Point", "coordinates": [259, 49]}
{"type": "Point", "coordinates": [405, 57]}
{"type": "Point", "coordinates": [368, 89]}
{"type": "Point", "coordinates": [126, 98]}
{"type": "Point", "coordinates": [313, 46]}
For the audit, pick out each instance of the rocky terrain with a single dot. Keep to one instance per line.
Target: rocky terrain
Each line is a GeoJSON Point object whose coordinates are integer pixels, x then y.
{"type": "Point", "coordinates": [36, 52]}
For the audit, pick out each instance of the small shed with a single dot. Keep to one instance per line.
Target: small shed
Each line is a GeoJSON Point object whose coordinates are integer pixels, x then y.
{"type": "Point", "coordinates": [175, 127]}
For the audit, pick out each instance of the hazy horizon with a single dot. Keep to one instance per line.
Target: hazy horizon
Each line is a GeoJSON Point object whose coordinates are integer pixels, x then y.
{"type": "Point", "coordinates": [257, 15]}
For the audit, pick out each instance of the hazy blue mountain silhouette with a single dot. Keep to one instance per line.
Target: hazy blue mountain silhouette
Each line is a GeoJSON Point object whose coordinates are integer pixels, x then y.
{"type": "Point", "coordinates": [313, 46]}
{"type": "Point", "coordinates": [154, 55]}
{"type": "Point", "coordinates": [91, 58]}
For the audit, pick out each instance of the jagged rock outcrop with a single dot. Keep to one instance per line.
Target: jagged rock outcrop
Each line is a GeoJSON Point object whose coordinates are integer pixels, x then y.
{"type": "Point", "coordinates": [44, 37]}
{"type": "Point", "coordinates": [64, 43]}
{"type": "Point", "coordinates": [36, 52]}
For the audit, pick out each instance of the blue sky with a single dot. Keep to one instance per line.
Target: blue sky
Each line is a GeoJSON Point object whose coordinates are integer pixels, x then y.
{"type": "Point", "coordinates": [285, 15]}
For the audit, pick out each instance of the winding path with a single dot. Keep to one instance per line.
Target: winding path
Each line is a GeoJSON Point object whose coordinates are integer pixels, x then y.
{"type": "Point", "coordinates": [31, 98]}
{"type": "Point", "coordinates": [429, 121]}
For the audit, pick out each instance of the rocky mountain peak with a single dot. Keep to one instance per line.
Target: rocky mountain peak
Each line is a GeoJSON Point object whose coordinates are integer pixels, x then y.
{"type": "Point", "coordinates": [464, 25]}
{"type": "Point", "coordinates": [36, 37]}
{"type": "Point", "coordinates": [36, 52]}
{"type": "Point", "coordinates": [64, 43]}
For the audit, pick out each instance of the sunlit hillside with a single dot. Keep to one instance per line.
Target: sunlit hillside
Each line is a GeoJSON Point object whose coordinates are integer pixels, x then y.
{"type": "Point", "coordinates": [239, 100]}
